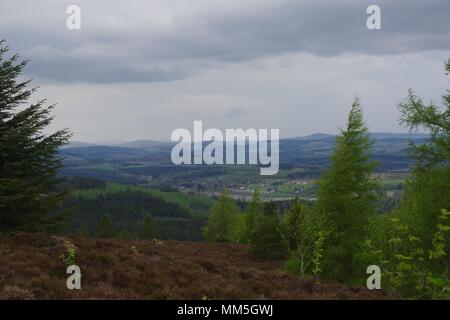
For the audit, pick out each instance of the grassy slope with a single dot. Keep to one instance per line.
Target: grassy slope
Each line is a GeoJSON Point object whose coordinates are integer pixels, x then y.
{"type": "Point", "coordinates": [111, 269]}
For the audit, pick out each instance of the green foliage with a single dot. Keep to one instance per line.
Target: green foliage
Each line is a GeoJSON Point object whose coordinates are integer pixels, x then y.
{"type": "Point", "coordinates": [412, 271]}
{"type": "Point", "coordinates": [413, 248]}
{"type": "Point", "coordinates": [426, 193]}
{"type": "Point", "coordinates": [147, 230]}
{"type": "Point", "coordinates": [346, 193]}
{"type": "Point", "coordinates": [417, 115]}
{"type": "Point", "coordinates": [267, 239]}
{"type": "Point", "coordinates": [292, 265]}
{"type": "Point", "coordinates": [318, 254]}
{"type": "Point", "coordinates": [105, 228]}
{"type": "Point", "coordinates": [69, 257]}
{"type": "Point", "coordinates": [197, 205]}
{"type": "Point", "coordinates": [223, 220]}
{"type": "Point", "coordinates": [29, 160]}
{"type": "Point", "coordinates": [293, 224]}
{"type": "Point", "coordinates": [301, 236]}
{"type": "Point", "coordinates": [127, 205]}
{"type": "Point", "coordinates": [252, 215]}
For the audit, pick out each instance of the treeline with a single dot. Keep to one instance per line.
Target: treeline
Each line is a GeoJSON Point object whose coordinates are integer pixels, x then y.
{"type": "Point", "coordinates": [344, 233]}
{"type": "Point", "coordinates": [84, 183]}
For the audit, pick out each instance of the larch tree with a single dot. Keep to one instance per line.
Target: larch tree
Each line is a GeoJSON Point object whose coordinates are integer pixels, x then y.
{"type": "Point", "coordinates": [223, 220]}
{"type": "Point", "coordinates": [346, 192]}
{"type": "Point", "coordinates": [427, 191]}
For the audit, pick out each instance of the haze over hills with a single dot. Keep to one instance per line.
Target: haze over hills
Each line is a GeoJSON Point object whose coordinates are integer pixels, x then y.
{"type": "Point", "coordinates": [315, 146]}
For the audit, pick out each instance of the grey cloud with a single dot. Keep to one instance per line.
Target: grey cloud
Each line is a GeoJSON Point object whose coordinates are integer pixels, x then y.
{"type": "Point", "coordinates": [156, 41]}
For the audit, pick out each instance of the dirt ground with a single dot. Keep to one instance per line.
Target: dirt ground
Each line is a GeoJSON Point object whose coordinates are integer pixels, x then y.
{"type": "Point", "coordinates": [30, 268]}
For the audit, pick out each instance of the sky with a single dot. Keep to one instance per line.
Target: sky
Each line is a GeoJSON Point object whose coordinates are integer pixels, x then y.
{"type": "Point", "coordinates": [140, 69]}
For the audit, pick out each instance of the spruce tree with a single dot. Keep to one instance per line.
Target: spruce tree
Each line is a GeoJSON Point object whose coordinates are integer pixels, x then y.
{"type": "Point", "coordinates": [223, 220]}
{"type": "Point", "coordinates": [345, 198]}
{"type": "Point", "coordinates": [29, 161]}
{"type": "Point", "coordinates": [267, 239]}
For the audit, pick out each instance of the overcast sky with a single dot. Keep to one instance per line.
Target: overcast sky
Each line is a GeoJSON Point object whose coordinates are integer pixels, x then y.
{"type": "Point", "coordinates": [140, 69]}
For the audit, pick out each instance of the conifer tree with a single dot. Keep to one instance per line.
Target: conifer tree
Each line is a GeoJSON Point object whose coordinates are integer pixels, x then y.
{"type": "Point", "coordinates": [223, 220]}
{"type": "Point", "coordinates": [252, 215]}
{"type": "Point", "coordinates": [293, 224]}
{"type": "Point", "coordinates": [345, 198]}
{"type": "Point", "coordinates": [427, 192]}
{"type": "Point", "coordinates": [29, 162]}
{"type": "Point", "coordinates": [267, 239]}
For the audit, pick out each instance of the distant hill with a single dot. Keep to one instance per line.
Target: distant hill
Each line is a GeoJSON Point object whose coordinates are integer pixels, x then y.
{"type": "Point", "coordinates": [78, 144]}
{"type": "Point", "coordinates": [103, 152]}
{"type": "Point", "coordinates": [389, 135]}
{"type": "Point", "coordinates": [148, 145]}
{"type": "Point", "coordinates": [391, 149]}
{"type": "Point", "coordinates": [315, 136]}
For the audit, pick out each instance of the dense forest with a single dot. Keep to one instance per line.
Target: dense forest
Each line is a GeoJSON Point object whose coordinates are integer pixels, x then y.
{"type": "Point", "coordinates": [175, 216]}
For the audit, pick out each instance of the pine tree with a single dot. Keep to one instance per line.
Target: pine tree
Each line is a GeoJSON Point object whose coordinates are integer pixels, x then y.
{"type": "Point", "coordinates": [223, 220]}
{"type": "Point", "coordinates": [252, 215]}
{"type": "Point", "coordinates": [267, 239]}
{"type": "Point", "coordinates": [147, 230]}
{"type": "Point", "coordinates": [345, 198]}
{"type": "Point", "coordinates": [29, 163]}
{"type": "Point", "coordinates": [105, 228]}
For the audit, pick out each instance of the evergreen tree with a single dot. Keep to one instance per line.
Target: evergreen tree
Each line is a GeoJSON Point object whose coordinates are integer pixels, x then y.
{"type": "Point", "coordinates": [293, 224]}
{"type": "Point", "coordinates": [427, 192]}
{"type": "Point", "coordinates": [345, 198]}
{"type": "Point", "coordinates": [267, 239]}
{"type": "Point", "coordinates": [223, 220]}
{"type": "Point", "coordinates": [29, 163]}
{"type": "Point", "coordinates": [252, 215]}
{"type": "Point", "coordinates": [147, 230]}
{"type": "Point", "coordinates": [105, 228]}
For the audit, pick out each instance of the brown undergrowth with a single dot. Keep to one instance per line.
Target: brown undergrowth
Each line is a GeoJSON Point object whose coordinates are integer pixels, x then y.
{"type": "Point", "coordinates": [126, 269]}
